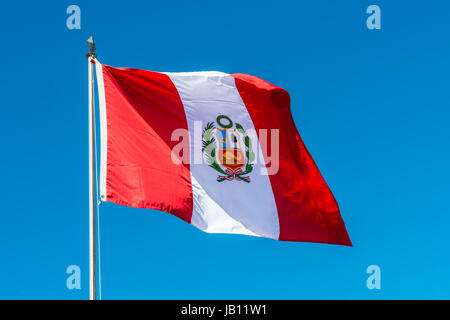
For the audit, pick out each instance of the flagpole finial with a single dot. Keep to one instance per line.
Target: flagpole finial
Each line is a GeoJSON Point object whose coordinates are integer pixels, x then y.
{"type": "Point", "coordinates": [91, 46]}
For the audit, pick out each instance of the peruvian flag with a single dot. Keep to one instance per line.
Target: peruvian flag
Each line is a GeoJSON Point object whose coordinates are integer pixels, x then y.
{"type": "Point", "coordinates": [219, 151]}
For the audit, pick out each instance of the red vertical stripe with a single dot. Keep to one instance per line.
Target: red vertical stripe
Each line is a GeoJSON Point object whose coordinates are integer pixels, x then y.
{"type": "Point", "coordinates": [143, 108]}
{"type": "Point", "coordinates": [307, 210]}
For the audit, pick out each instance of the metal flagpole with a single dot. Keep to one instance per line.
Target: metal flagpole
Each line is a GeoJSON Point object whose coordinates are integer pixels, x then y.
{"type": "Point", "coordinates": [92, 268]}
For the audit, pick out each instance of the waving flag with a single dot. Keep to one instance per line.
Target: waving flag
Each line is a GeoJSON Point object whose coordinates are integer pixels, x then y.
{"type": "Point", "coordinates": [187, 144]}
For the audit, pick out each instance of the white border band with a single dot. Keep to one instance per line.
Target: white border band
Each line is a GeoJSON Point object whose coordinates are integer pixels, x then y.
{"type": "Point", "coordinates": [103, 129]}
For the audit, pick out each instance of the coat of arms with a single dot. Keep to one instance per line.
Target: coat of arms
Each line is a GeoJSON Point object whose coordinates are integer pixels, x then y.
{"type": "Point", "coordinates": [224, 152]}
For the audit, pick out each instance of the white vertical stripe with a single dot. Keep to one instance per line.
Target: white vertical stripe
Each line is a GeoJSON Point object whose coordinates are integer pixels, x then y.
{"type": "Point", "coordinates": [228, 206]}
{"type": "Point", "coordinates": [103, 129]}
{"type": "Point", "coordinates": [210, 216]}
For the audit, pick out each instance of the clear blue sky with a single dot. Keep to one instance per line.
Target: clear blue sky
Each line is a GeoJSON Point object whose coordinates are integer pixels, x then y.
{"type": "Point", "coordinates": [372, 106]}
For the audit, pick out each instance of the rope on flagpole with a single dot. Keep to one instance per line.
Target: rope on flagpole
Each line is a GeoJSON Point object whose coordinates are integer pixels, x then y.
{"type": "Point", "coordinates": [99, 202]}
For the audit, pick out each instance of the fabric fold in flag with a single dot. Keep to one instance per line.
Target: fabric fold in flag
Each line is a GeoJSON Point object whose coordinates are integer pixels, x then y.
{"type": "Point", "coordinates": [219, 151]}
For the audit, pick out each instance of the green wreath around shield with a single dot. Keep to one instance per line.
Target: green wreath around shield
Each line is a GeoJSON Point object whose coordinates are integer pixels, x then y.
{"type": "Point", "coordinates": [209, 146]}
